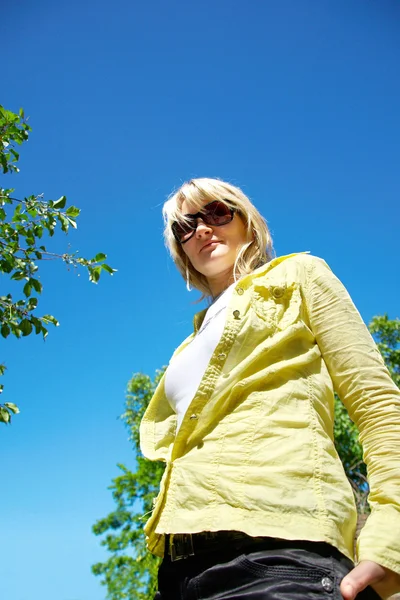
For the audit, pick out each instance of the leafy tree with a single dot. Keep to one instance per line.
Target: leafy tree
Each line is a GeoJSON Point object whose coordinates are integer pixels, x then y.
{"type": "Point", "coordinates": [351, 455]}
{"type": "Point", "coordinates": [25, 225]}
{"type": "Point", "coordinates": [130, 572]}
{"type": "Point", "coordinates": [386, 333]}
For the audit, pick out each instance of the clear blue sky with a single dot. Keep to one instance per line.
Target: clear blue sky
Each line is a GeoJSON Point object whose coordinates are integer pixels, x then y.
{"type": "Point", "coordinates": [296, 101]}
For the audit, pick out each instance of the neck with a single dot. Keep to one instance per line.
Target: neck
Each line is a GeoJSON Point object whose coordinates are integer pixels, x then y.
{"type": "Point", "coordinates": [220, 283]}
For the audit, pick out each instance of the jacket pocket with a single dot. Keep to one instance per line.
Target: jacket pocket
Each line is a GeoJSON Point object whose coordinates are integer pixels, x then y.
{"type": "Point", "coordinates": [278, 305]}
{"type": "Point", "coordinates": [256, 576]}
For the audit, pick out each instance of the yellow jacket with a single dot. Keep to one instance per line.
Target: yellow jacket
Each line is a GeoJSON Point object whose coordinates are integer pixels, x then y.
{"type": "Point", "coordinates": [255, 451]}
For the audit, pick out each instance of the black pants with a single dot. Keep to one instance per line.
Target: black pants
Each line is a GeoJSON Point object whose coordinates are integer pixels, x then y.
{"type": "Point", "coordinates": [274, 570]}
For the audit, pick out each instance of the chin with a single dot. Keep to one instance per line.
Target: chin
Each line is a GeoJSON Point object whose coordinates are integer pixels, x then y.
{"type": "Point", "coordinates": [216, 270]}
{"type": "Point", "coordinates": [217, 262]}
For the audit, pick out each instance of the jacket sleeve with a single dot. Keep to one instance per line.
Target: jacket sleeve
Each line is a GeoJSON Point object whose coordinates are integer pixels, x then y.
{"type": "Point", "coordinates": [364, 385]}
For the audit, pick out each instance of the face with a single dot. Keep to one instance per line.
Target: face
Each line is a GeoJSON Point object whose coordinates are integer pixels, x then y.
{"type": "Point", "coordinates": [213, 250]}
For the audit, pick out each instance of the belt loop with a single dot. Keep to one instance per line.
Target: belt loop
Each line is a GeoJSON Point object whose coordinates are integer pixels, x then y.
{"type": "Point", "coordinates": [180, 546]}
{"type": "Point", "coordinates": [171, 547]}
{"type": "Point", "coordinates": [167, 544]}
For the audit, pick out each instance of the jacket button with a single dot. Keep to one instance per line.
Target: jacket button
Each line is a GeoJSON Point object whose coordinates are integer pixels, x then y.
{"type": "Point", "coordinates": [236, 314]}
{"type": "Point", "coordinates": [327, 584]}
{"type": "Point", "coordinates": [193, 416]}
{"type": "Point", "coordinates": [277, 292]}
{"type": "Point", "coordinates": [240, 291]}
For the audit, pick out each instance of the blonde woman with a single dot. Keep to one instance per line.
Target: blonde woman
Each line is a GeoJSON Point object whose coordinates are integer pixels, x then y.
{"type": "Point", "coordinates": [254, 503]}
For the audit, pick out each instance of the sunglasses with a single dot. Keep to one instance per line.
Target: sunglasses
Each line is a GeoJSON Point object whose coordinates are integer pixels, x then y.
{"type": "Point", "coordinates": [215, 213]}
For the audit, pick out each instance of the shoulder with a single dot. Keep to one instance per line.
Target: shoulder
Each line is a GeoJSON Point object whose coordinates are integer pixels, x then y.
{"type": "Point", "coordinates": [295, 267]}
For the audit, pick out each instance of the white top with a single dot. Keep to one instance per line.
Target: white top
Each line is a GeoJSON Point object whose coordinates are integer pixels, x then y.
{"type": "Point", "coordinates": [186, 370]}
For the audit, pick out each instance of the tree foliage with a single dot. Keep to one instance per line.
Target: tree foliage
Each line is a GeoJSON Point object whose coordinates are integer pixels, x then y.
{"type": "Point", "coordinates": [130, 572]}
{"type": "Point", "coordinates": [386, 333]}
{"type": "Point", "coordinates": [351, 455]}
{"type": "Point", "coordinates": [25, 228]}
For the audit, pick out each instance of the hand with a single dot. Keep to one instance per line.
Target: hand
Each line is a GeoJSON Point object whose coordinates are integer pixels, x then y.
{"type": "Point", "coordinates": [384, 581]}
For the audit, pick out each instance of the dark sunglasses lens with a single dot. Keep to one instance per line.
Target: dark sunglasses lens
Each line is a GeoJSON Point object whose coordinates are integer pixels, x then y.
{"type": "Point", "coordinates": [217, 213]}
{"type": "Point", "coordinates": [182, 230]}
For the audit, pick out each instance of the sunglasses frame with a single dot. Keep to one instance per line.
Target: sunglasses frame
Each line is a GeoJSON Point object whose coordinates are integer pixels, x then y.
{"type": "Point", "coordinates": [201, 215]}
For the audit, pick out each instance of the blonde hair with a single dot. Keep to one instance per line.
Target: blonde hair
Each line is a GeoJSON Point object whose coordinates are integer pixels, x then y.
{"type": "Point", "coordinates": [197, 192]}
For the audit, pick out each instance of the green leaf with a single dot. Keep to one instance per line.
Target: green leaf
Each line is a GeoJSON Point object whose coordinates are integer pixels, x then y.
{"type": "Point", "coordinates": [26, 327]}
{"type": "Point", "coordinates": [94, 274]}
{"type": "Point", "coordinates": [5, 331]}
{"type": "Point", "coordinates": [72, 211]}
{"type": "Point", "coordinates": [18, 275]}
{"type": "Point", "coordinates": [38, 231]}
{"type": "Point", "coordinates": [33, 212]}
{"type": "Point", "coordinates": [108, 269]}
{"type": "Point", "coordinates": [15, 154]}
{"type": "Point", "coordinates": [15, 330]}
{"type": "Point", "coordinates": [30, 238]}
{"type": "Point", "coordinates": [3, 161]}
{"type": "Point", "coordinates": [32, 303]}
{"type": "Point", "coordinates": [60, 203]}
{"type": "Point", "coordinates": [37, 324]}
{"type": "Point", "coordinates": [50, 319]}
{"type": "Point", "coordinates": [7, 265]}
{"type": "Point", "coordinates": [72, 223]}
{"type": "Point", "coordinates": [13, 407]}
{"type": "Point", "coordinates": [99, 257]}
{"type": "Point", "coordinates": [4, 415]}
{"type": "Point", "coordinates": [17, 211]}
{"type": "Point", "coordinates": [27, 289]}
{"type": "Point", "coordinates": [37, 286]}
{"type": "Point", "coordinates": [64, 223]}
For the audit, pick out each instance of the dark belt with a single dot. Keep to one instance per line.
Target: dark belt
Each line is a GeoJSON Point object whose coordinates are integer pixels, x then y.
{"type": "Point", "coordinates": [183, 545]}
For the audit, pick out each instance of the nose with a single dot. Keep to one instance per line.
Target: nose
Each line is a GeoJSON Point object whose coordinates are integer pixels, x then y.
{"type": "Point", "coordinates": [202, 228]}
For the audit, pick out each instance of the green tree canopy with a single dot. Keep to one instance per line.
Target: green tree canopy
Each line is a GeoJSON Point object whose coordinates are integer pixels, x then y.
{"type": "Point", "coordinates": [386, 333]}
{"type": "Point", "coordinates": [26, 225]}
{"type": "Point", "coordinates": [131, 571]}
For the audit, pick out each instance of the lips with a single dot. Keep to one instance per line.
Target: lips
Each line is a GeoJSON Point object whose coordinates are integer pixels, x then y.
{"type": "Point", "coordinates": [209, 243]}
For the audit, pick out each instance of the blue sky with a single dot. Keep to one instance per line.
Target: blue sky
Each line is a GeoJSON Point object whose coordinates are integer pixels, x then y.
{"type": "Point", "coordinates": [295, 101]}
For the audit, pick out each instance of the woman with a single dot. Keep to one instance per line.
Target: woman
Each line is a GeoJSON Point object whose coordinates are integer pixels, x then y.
{"type": "Point", "coordinates": [254, 502]}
